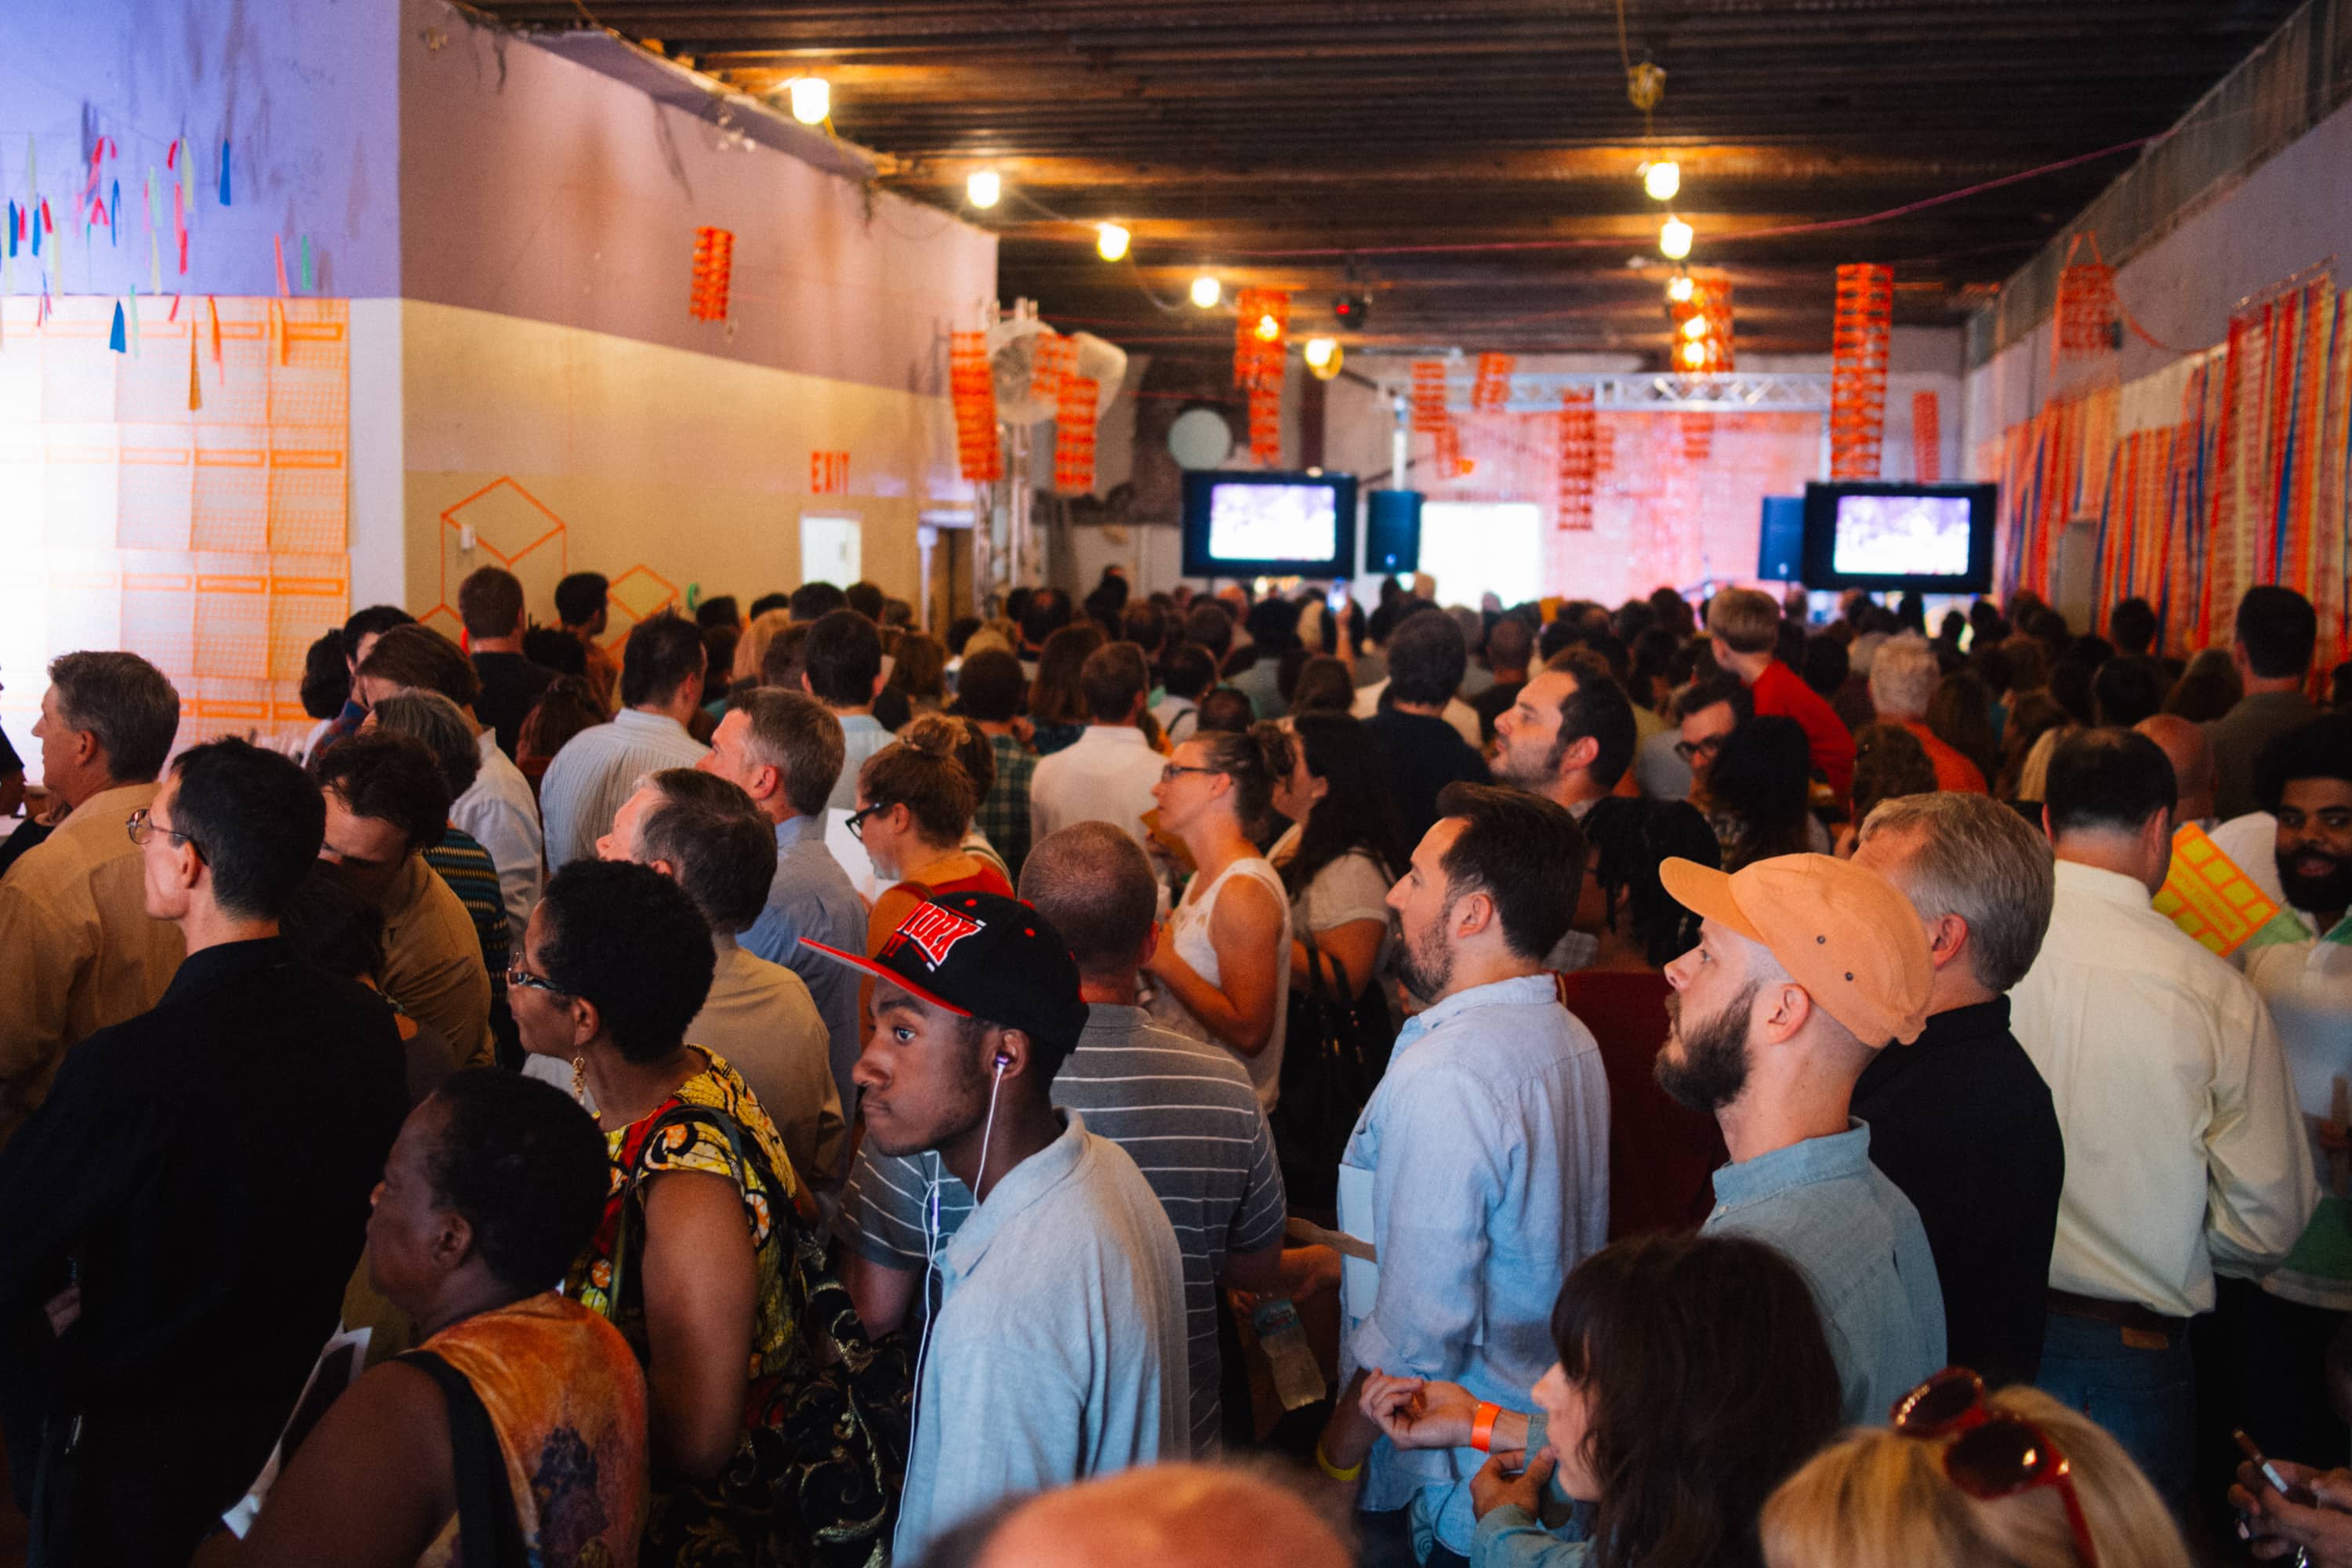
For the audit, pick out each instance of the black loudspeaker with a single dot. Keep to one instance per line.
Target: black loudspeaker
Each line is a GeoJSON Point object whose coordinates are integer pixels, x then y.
{"type": "Point", "coordinates": [1393, 531]}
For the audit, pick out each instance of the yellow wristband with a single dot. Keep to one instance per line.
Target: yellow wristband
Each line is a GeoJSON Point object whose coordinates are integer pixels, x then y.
{"type": "Point", "coordinates": [1323, 1461]}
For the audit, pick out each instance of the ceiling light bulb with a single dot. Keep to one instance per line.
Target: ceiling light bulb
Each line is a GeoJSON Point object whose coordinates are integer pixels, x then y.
{"type": "Point", "coordinates": [1319, 351]}
{"type": "Point", "coordinates": [1111, 241]}
{"type": "Point", "coordinates": [811, 100]}
{"type": "Point", "coordinates": [1268, 329]}
{"type": "Point", "coordinates": [1695, 327]}
{"type": "Point", "coordinates": [1675, 239]}
{"type": "Point", "coordinates": [1693, 354]}
{"type": "Point", "coordinates": [1663, 180]}
{"type": "Point", "coordinates": [984, 188]}
{"type": "Point", "coordinates": [1678, 287]}
{"type": "Point", "coordinates": [1207, 291]}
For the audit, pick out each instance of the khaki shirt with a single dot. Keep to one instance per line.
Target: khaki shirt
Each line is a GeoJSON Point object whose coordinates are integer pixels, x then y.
{"type": "Point", "coordinates": [433, 962]}
{"type": "Point", "coordinates": [77, 947]}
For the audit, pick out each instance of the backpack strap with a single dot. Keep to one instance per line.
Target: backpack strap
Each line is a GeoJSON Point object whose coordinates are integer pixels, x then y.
{"type": "Point", "coordinates": [488, 1533]}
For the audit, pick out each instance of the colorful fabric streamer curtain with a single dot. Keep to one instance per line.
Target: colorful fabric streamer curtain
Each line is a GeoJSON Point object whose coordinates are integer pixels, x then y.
{"type": "Point", "coordinates": [2248, 486]}
{"type": "Point", "coordinates": [972, 385]}
{"type": "Point", "coordinates": [1073, 435]}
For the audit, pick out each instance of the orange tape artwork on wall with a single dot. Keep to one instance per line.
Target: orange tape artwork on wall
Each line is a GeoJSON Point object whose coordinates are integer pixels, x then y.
{"type": "Point", "coordinates": [212, 541]}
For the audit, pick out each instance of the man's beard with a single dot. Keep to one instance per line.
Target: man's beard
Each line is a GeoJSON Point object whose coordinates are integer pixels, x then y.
{"type": "Point", "coordinates": [1535, 774]}
{"type": "Point", "coordinates": [1426, 967]}
{"type": "Point", "coordinates": [2324, 893]}
{"type": "Point", "coordinates": [1713, 1068]}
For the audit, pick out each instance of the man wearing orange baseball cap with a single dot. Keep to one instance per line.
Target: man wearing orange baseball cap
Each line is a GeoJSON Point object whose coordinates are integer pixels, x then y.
{"type": "Point", "coordinates": [1806, 967]}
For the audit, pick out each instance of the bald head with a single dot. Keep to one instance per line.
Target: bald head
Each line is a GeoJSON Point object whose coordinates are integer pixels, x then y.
{"type": "Point", "coordinates": [1091, 881]}
{"type": "Point", "coordinates": [1166, 1516]}
{"type": "Point", "coordinates": [2183, 743]}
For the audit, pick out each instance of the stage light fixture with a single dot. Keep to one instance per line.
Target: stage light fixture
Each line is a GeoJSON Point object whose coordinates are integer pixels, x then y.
{"type": "Point", "coordinates": [811, 100]}
{"type": "Point", "coordinates": [1351, 309]}
{"type": "Point", "coordinates": [1111, 241]}
{"type": "Point", "coordinates": [1662, 180]}
{"type": "Point", "coordinates": [1675, 239]}
{"type": "Point", "coordinates": [1321, 352]}
{"type": "Point", "coordinates": [984, 188]}
{"type": "Point", "coordinates": [1207, 291]}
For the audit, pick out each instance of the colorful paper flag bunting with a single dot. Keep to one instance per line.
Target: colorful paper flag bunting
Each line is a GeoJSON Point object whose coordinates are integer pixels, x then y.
{"type": "Point", "coordinates": [224, 184]}
{"type": "Point", "coordinates": [114, 339]}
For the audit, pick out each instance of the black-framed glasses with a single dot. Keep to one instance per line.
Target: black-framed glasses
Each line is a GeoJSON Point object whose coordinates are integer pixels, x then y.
{"type": "Point", "coordinates": [142, 825]}
{"type": "Point", "coordinates": [1691, 751]}
{"type": "Point", "coordinates": [521, 979]}
{"type": "Point", "coordinates": [856, 823]}
{"type": "Point", "coordinates": [1170, 771]}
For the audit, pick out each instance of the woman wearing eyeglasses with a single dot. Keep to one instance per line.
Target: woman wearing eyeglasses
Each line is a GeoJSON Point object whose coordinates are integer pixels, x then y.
{"type": "Point", "coordinates": [1694, 1375]}
{"type": "Point", "coordinates": [915, 803]}
{"type": "Point", "coordinates": [1224, 960]}
{"type": "Point", "coordinates": [1963, 1477]}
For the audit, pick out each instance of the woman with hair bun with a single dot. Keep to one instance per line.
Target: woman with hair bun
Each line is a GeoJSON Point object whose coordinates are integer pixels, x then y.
{"type": "Point", "coordinates": [1223, 959]}
{"type": "Point", "coordinates": [915, 801]}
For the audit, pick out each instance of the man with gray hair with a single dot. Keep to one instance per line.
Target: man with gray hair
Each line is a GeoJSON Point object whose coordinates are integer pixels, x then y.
{"type": "Point", "coordinates": [707, 836]}
{"type": "Point", "coordinates": [1960, 1119]}
{"type": "Point", "coordinates": [80, 952]}
{"type": "Point", "coordinates": [1903, 679]}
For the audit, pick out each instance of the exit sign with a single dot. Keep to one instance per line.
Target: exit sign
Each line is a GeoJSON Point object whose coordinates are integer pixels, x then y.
{"type": "Point", "coordinates": [828, 473]}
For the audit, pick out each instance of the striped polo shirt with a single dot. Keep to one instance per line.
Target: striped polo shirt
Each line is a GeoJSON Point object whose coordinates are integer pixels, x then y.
{"type": "Point", "coordinates": [1183, 1110]}
{"type": "Point", "coordinates": [462, 862]}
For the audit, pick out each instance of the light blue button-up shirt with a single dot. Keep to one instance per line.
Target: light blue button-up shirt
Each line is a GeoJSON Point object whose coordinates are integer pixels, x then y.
{"type": "Point", "coordinates": [597, 771]}
{"type": "Point", "coordinates": [1489, 1144]}
{"type": "Point", "coordinates": [1860, 1245]}
{"type": "Point", "coordinates": [812, 897]}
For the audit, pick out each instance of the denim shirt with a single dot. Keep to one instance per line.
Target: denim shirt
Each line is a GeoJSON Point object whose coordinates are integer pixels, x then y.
{"type": "Point", "coordinates": [1860, 1245]}
{"type": "Point", "coordinates": [1488, 1144]}
{"type": "Point", "coordinates": [812, 897]}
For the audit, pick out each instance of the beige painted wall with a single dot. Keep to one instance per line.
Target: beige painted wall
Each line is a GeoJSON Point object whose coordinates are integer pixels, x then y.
{"type": "Point", "coordinates": [692, 467]}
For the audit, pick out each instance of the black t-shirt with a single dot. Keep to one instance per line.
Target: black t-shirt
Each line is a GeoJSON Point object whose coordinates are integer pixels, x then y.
{"type": "Point", "coordinates": [512, 685]}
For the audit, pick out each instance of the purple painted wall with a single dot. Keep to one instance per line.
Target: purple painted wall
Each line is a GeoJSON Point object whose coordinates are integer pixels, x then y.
{"type": "Point", "coordinates": [303, 90]}
{"type": "Point", "coordinates": [534, 186]}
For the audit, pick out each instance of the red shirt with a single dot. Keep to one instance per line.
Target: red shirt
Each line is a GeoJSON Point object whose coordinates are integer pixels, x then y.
{"type": "Point", "coordinates": [1662, 1154]}
{"type": "Point", "coordinates": [1953, 770]}
{"type": "Point", "coordinates": [1779, 692]}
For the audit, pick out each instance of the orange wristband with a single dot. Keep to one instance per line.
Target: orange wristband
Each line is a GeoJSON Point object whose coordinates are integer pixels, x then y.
{"type": "Point", "coordinates": [1482, 1426]}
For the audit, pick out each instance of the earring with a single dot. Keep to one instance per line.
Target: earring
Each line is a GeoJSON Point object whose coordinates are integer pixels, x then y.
{"type": "Point", "coordinates": [580, 1079]}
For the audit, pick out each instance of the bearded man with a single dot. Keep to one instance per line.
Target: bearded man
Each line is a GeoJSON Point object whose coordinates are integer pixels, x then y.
{"type": "Point", "coordinates": [1806, 967]}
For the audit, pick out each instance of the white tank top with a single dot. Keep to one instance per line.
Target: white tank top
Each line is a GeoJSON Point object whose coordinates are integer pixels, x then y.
{"type": "Point", "coordinates": [1187, 929]}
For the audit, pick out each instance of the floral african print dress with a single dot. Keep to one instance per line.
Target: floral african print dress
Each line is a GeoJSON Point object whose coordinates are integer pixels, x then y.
{"type": "Point", "coordinates": [813, 1479]}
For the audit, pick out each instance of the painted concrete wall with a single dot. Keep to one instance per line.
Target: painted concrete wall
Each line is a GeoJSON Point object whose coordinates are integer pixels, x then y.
{"type": "Point", "coordinates": [304, 91]}
{"type": "Point", "coordinates": [2292, 213]}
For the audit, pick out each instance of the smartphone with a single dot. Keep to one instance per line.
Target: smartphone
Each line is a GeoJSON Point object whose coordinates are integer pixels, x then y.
{"type": "Point", "coordinates": [1336, 599]}
{"type": "Point", "coordinates": [2300, 1495]}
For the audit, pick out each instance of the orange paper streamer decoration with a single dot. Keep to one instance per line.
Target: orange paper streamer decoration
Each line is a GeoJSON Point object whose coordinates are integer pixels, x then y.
{"type": "Point", "coordinates": [714, 265]}
{"type": "Point", "coordinates": [972, 385]}
{"type": "Point", "coordinates": [1491, 391]}
{"type": "Point", "coordinates": [1699, 437]}
{"type": "Point", "coordinates": [1429, 414]}
{"type": "Point", "coordinates": [1073, 434]}
{"type": "Point", "coordinates": [1579, 458]}
{"type": "Point", "coordinates": [1054, 360]}
{"type": "Point", "coordinates": [1710, 306]}
{"type": "Point", "coordinates": [1926, 439]}
{"type": "Point", "coordinates": [1259, 364]}
{"type": "Point", "coordinates": [2089, 319]}
{"type": "Point", "coordinates": [1866, 309]}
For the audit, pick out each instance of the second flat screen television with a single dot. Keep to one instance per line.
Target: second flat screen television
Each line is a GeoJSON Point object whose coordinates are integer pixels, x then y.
{"type": "Point", "coordinates": [1251, 523]}
{"type": "Point", "coordinates": [1869, 534]}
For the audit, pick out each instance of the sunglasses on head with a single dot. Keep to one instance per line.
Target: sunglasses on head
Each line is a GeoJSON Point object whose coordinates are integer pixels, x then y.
{"type": "Point", "coordinates": [1988, 1454]}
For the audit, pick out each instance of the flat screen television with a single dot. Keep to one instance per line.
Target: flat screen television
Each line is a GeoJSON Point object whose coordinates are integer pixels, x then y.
{"type": "Point", "coordinates": [1259, 524]}
{"type": "Point", "coordinates": [1872, 535]}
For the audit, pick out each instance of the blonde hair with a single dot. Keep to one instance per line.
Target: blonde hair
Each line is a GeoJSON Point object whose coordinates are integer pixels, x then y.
{"type": "Point", "coordinates": [751, 649]}
{"type": "Point", "coordinates": [2033, 777]}
{"type": "Point", "coordinates": [1879, 1500]}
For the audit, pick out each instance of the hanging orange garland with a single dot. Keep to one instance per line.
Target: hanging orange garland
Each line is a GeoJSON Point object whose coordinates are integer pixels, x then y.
{"type": "Point", "coordinates": [1073, 435]}
{"type": "Point", "coordinates": [1429, 414]}
{"type": "Point", "coordinates": [1866, 313]}
{"type": "Point", "coordinates": [1702, 323]}
{"type": "Point", "coordinates": [1579, 458]}
{"type": "Point", "coordinates": [714, 265]}
{"type": "Point", "coordinates": [972, 386]}
{"type": "Point", "coordinates": [2089, 317]}
{"type": "Point", "coordinates": [1926, 438]}
{"type": "Point", "coordinates": [1490, 390]}
{"type": "Point", "coordinates": [1053, 360]}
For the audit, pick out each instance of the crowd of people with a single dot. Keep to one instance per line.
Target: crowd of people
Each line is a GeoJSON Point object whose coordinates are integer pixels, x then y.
{"type": "Point", "coordinates": [776, 1086]}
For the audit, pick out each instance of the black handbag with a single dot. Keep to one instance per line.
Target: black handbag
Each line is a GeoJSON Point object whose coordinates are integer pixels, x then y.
{"type": "Point", "coordinates": [1333, 1055]}
{"type": "Point", "coordinates": [821, 1478]}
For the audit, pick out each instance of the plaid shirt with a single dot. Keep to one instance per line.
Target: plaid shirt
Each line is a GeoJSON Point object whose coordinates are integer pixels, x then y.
{"type": "Point", "coordinates": [1003, 816]}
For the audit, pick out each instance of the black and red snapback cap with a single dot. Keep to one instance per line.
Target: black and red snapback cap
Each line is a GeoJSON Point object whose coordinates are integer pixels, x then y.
{"type": "Point", "coordinates": [981, 955]}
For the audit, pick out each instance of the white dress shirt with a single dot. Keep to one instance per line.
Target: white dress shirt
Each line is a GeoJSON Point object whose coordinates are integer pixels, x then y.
{"type": "Point", "coordinates": [597, 771]}
{"type": "Point", "coordinates": [500, 814]}
{"type": "Point", "coordinates": [2185, 1148]}
{"type": "Point", "coordinates": [1106, 776]}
